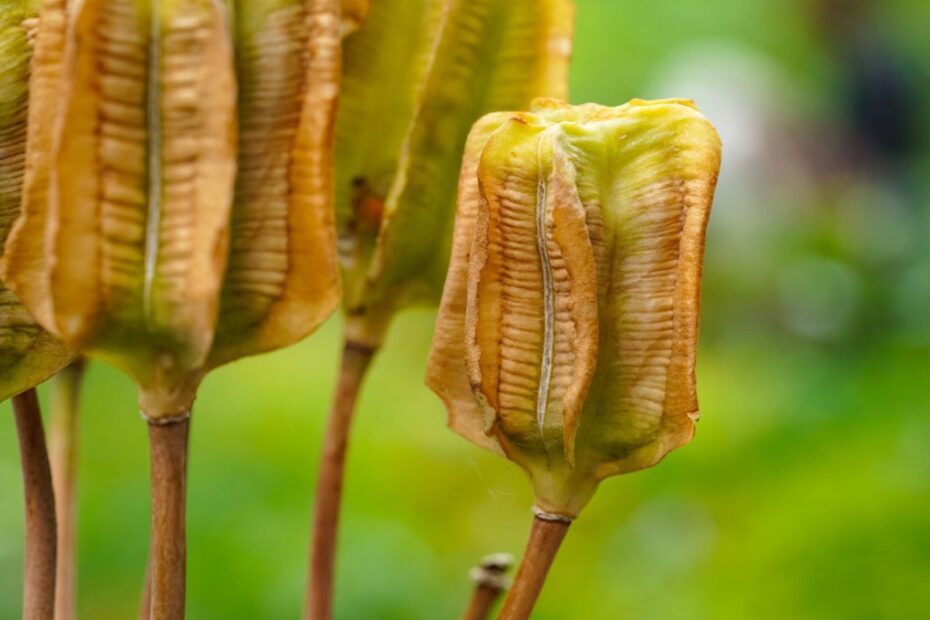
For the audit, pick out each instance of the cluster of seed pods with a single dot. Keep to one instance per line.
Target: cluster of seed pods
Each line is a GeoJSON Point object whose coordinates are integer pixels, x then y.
{"type": "Point", "coordinates": [176, 210]}
{"type": "Point", "coordinates": [177, 191]}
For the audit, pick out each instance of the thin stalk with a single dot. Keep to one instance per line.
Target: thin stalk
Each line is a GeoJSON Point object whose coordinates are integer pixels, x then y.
{"type": "Point", "coordinates": [546, 537]}
{"type": "Point", "coordinates": [66, 388]}
{"type": "Point", "coordinates": [355, 361]}
{"type": "Point", "coordinates": [482, 602]}
{"type": "Point", "coordinates": [490, 583]}
{"type": "Point", "coordinates": [145, 605]}
{"type": "Point", "coordinates": [168, 552]}
{"type": "Point", "coordinates": [39, 576]}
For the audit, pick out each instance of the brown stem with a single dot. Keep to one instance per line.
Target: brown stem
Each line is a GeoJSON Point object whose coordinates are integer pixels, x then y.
{"type": "Point", "coordinates": [167, 562]}
{"type": "Point", "coordinates": [355, 361]}
{"type": "Point", "coordinates": [39, 577]}
{"type": "Point", "coordinates": [66, 387]}
{"type": "Point", "coordinates": [545, 539]}
{"type": "Point", "coordinates": [145, 606]}
{"type": "Point", "coordinates": [482, 601]}
{"type": "Point", "coordinates": [490, 583]}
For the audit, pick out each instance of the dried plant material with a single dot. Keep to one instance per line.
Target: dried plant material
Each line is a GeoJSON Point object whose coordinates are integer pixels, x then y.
{"type": "Point", "coordinates": [28, 354]}
{"type": "Point", "coordinates": [185, 189]}
{"type": "Point", "coordinates": [568, 326]}
{"type": "Point", "coordinates": [282, 280]}
{"type": "Point", "coordinates": [417, 75]}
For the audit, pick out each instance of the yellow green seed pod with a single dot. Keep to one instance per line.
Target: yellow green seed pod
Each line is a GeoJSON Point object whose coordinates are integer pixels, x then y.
{"type": "Point", "coordinates": [184, 188]}
{"type": "Point", "coordinates": [568, 325]}
{"type": "Point", "coordinates": [28, 354]}
{"type": "Point", "coordinates": [417, 75]}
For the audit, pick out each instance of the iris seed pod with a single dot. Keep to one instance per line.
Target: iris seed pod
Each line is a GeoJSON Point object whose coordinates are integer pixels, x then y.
{"type": "Point", "coordinates": [568, 326]}
{"type": "Point", "coordinates": [183, 187]}
{"type": "Point", "coordinates": [28, 353]}
{"type": "Point", "coordinates": [417, 75]}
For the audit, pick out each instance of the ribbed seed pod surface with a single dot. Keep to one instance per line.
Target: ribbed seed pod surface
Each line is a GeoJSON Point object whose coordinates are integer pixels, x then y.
{"type": "Point", "coordinates": [282, 280]}
{"type": "Point", "coordinates": [417, 75]}
{"type": "Point", "coordinates": [568, 326]}
{"type": "Point", "coordinates": [184, 191]}
{"type": "Point", "coordinates": [28, 354]}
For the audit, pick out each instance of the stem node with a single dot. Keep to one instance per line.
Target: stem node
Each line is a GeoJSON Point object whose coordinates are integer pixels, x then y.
{"type": "Point", "coordinates": [546, 537]}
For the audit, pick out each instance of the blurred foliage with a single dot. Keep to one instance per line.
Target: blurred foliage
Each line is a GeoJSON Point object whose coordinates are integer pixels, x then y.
{"type": "Point", "coordinates": [806, 493]}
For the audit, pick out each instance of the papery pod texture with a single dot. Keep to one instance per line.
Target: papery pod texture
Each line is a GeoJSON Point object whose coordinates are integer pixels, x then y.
{"type": "Point", "coordinates": [177, 211]}
{"type": "Point", "coordinates": [28, 354]}
{"type": "Point", "coordinates": [568, 326]}
{"type": "Point", "coordinates": [417, 75]}
{"type": "Point", "coordinates": [282, 281]}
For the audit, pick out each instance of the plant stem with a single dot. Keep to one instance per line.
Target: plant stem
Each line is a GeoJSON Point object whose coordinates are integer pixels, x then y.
{"type": "Point", "coordinates": [490, 583]}
{"type": "Point", "coordinates": [167, 560]}
{"type": "Point", "coordinates": [482, 601]}
{"type": "Point", "coordinates": [145, 606]}
{"type": "Point", "coordinates": [545, 539]}
{"type": "Point", "coordinates": [355, 361]}
{"type": "Point", "coordinates": [66, 387]}
{"type": "Point", "coordinates": [39, 577]}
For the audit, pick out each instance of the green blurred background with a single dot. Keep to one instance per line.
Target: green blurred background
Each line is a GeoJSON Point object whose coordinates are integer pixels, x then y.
{"type": "Point", "coordinates": [806, 493]}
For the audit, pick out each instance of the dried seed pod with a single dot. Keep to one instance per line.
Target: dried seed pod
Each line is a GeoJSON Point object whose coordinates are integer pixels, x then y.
{"type": "Point", "coordinates": [568, 326]}
{"type": "Point", "coordinates": [417, 75]}
{"type": "Point", "coordinates": [28, 354]}
{"type": "Point", "coordinates": [174, 240]}
{"type": "Point", "coordinates": [282, 280]}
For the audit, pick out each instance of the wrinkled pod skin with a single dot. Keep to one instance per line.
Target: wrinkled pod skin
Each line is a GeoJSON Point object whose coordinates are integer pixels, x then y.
{"type": "Point", "coordinates": [568, 326]}
{"type": "Point", "coordinates": [177, 213]}
{"type": "Point", "coordinates": [417, 75]}
{"type": "Point", "coordinates": [28, 354]}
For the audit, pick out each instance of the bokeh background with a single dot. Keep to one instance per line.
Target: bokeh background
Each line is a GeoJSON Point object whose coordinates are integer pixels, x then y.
{"type": "Point", "coordinates": [806, 493]}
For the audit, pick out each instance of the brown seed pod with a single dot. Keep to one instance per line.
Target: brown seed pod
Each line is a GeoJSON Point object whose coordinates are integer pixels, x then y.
{"type": "Point", "coordinates": [568, 327]}
{"type": "Point", "coordinates": [178, 211]}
